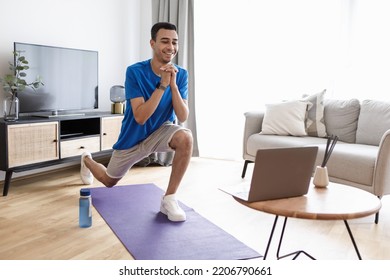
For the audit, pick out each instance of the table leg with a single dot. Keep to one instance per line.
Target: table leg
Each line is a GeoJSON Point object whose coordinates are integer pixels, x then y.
{"type": "Point", "coordinates": [352, 239]}
{"type": "Point", "coordinates": [270, 237]}
{"type": "Point", "coordinates": [296, 253]}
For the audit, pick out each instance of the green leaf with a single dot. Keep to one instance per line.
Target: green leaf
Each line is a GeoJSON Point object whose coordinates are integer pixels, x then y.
{"type": "Point", "coordinates": [10, 79]}
{"type": "Point", "coordinates": [22, 82]}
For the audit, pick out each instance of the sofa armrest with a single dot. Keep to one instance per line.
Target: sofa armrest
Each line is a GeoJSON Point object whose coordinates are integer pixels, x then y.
{"type": "Point", "coordinates": [253, 122]}
{"type": "Point", "coordinates": [381, 180]}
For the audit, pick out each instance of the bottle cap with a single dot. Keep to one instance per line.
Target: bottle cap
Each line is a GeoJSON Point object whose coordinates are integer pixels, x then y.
{"type": "Point", "coordinates": [85, 192]}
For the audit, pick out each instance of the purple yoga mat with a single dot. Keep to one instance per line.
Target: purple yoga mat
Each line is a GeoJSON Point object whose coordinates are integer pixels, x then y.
{"type": "Point", "coordinates": [133, 214]}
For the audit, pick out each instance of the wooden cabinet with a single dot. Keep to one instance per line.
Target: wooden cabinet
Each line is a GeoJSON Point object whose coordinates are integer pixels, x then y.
{"type": "Point", "coordinates": [111, 127]}
{"type": "Point", "coordinates": [33, 142]}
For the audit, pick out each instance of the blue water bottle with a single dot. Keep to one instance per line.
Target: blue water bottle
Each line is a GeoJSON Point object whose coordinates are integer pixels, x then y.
{"type": "Point", "coordinates": [85, 209]}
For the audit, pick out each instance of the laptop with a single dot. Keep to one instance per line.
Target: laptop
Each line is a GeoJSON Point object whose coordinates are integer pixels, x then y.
{"type": "Point", "coordinates": [277, 173]}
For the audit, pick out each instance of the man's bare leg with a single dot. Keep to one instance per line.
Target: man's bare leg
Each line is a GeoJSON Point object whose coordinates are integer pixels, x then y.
{"type": "Point", "coordinates": [182, 144]}
{"type": "Point", "coordinates": [98, 170]}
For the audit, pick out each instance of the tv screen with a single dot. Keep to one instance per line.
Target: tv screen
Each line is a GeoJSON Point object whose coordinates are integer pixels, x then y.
{"type": "Point", "coordinates": [70, 78]}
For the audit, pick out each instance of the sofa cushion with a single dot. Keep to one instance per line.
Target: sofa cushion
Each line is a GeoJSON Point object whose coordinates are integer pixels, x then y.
{"type": "Point", "coordinates": [374, 121]}
{"type": "Point", "coordinates": [350, 162]}
{"type": "Point", "coordinates": [258, 141]}
{"type": "Point", "coordinates": [315, 125]}
{"type": "Point", "coordinates": [341, 118]}
{"type": "Point", "coordinates": [285, 118]}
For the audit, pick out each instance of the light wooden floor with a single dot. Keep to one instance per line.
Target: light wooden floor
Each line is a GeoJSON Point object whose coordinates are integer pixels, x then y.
{"type": "Point", "coordinates": [39, 218]}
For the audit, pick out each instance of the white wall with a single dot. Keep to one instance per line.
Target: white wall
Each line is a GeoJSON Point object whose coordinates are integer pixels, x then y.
{"type": "Point", "coordinates": [118, 29]}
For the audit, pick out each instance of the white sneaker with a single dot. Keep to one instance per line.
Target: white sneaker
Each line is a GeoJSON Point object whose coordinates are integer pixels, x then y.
{"type": "Point", "coordinates": [85, 173]}
{"type": "Point", "coordinates": [171, 208]}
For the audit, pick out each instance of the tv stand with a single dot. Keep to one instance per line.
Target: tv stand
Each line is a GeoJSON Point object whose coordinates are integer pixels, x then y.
{"type": "Point", "coordinates": [31, 143]}
{"type": "Point", "coordinates": [55, 114]}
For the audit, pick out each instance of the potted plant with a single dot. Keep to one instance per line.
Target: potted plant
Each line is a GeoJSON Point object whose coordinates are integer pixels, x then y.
{"type": "Point", "coordinates": [14, 83]}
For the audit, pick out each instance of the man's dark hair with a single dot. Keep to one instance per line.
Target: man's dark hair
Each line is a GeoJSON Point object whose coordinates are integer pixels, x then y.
{"type": "Point", "coordinates": [161, 25]}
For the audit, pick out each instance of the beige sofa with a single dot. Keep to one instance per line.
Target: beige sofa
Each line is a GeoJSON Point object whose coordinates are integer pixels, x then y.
{"type": "Point", "coordinates": [361, 158]}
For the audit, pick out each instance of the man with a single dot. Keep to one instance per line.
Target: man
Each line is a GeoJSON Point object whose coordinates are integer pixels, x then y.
{"type": "Point", "coordinates": [156, 94]}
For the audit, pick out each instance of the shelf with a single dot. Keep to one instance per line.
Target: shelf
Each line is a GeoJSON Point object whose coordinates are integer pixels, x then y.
{"type": "Point", "coordinates": [76, 128]}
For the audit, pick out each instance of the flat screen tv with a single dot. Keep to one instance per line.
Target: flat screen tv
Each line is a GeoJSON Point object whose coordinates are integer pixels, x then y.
{"type": "Point", "coordinates": [70, 78]}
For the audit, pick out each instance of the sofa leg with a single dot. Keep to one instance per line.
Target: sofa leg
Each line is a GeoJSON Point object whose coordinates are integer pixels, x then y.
{"type": "Point", "coordinates": [245, 166]}
{"type": "Point", "coordinates": [377, 214]}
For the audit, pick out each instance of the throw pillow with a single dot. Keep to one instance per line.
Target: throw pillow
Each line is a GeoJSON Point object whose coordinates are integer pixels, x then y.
{"type": "Point", "coordinates": [374, 121]}
{"type": "Point", "coordinates": [341, 118]}
{"type": "Point", "coordinates": [315, 125]}
{"type": "Point", "coordinates": [286, 118]}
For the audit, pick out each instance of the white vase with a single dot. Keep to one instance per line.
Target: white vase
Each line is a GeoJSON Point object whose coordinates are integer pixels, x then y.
{"type": "Point", "coordinates": [11, 108]}
{"type": "Point", "coordinates": [321, 178]}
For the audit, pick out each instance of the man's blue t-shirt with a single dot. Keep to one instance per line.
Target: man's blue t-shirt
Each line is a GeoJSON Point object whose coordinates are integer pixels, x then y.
{"type": "Point", "coordinates": [141, 81]}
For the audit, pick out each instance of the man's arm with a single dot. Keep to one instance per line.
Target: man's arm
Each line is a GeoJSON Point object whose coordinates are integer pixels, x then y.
{"type": "Point", "coordinates": [144, 110]}
{"type": "Point", "coordinates": [180, 105]}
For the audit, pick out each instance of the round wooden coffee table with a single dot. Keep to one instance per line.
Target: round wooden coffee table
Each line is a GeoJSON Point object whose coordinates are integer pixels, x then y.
{"type": "Point", "coordinates": [335, 202]}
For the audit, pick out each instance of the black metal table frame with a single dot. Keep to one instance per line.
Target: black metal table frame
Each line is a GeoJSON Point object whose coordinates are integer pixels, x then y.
{"type": "Point", "coordinates": [297, 253]}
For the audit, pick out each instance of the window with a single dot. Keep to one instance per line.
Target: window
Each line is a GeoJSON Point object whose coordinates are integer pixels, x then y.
{"type": "Point", "coordinates": [253, 52]}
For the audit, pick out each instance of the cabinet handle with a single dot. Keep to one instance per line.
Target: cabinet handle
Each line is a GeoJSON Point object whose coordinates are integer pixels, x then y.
{"type": "Point", "coordinates": [82, 147]}
{"type": "Point", "coordinates": [55, 140]}
{"type": "Point", "coordinates": [104, 133]}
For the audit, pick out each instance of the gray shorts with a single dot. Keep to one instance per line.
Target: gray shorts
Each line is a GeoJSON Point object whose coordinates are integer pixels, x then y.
{"type": "Point", "coordinates": [122, 160]}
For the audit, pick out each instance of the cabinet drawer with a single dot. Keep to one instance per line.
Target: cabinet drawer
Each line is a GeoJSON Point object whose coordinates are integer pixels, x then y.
{"type": "Point", "coordinates": [70, 148]}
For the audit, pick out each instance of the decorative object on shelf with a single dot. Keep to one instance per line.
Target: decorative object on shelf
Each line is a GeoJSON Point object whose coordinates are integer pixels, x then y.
{"type": "Point", "coordinates": [14, 83]}
{"type": "Point", "coordinates": [321, 178]}
{"type": "Point", "coordinates": [11, 108]}
{"type": "Point", "coordinates": [117, 96]}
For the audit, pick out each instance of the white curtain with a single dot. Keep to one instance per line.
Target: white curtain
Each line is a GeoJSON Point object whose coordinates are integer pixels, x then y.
{"type": "Point", "coordinates": [181, 13]}
{"type": "Point", "coordinates": [363, 71]}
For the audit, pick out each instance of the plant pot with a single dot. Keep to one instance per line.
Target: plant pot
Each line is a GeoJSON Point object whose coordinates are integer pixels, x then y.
{"type": "Point", "coordinates": [11, 108]}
